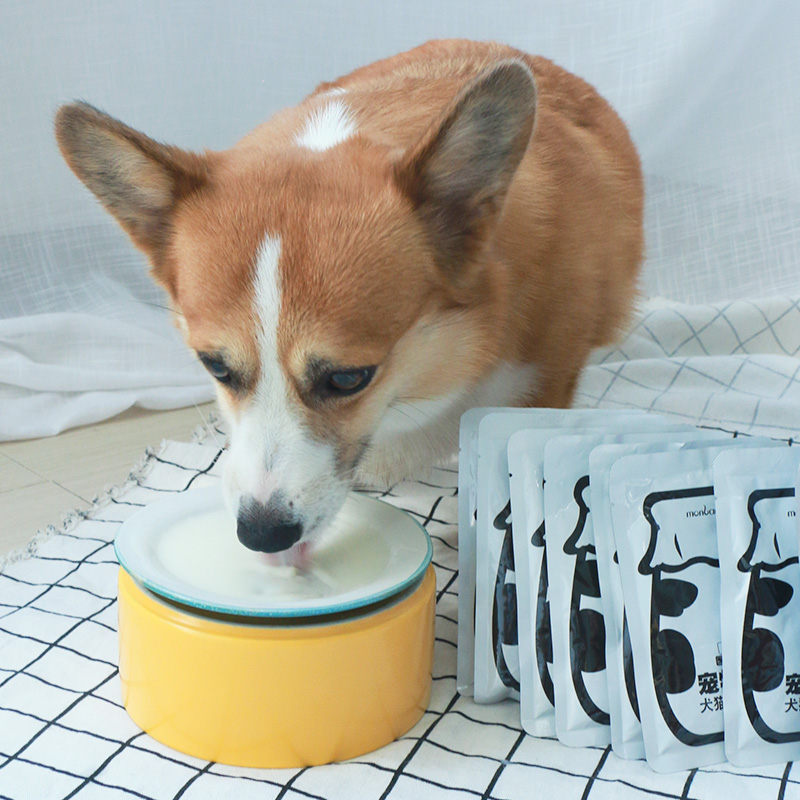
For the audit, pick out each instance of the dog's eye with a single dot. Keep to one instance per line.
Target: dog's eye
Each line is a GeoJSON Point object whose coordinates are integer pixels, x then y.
{"type": "Point", "coordinates": [216, 368]}
{"type": "Point", "coordinates": [350, 381]}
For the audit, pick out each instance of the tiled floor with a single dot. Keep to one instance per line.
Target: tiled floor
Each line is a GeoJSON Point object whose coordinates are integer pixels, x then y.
{"type": "Point", "coordinates": [42, 478]}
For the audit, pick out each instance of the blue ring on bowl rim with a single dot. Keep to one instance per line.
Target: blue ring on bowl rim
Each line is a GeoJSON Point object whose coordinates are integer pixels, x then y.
{"type": "Point", "coordinates": [274, 612]}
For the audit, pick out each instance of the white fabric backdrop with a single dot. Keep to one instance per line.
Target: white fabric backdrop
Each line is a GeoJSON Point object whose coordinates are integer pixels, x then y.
{"type": "Point", "coordinates": [708, 87]}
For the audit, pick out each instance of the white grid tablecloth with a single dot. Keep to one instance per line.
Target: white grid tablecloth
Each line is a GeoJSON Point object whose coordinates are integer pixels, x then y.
{"type": "Point", "coordinates": [64, 732]}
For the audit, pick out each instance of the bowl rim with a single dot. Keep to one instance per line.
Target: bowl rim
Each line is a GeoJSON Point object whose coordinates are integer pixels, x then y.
{"type": "Point", "coordinates": [212, 499]}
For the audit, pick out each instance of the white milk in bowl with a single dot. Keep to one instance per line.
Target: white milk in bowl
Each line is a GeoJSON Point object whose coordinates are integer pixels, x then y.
{"type": "Point", "coordinates": [185, 548]}
{"type": "Point", "coordinates": [203, 552]}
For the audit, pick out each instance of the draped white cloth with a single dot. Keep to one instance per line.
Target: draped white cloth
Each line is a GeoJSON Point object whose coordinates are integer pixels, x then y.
{"type": "Point", "coordinates": [731, 365]}
{"type": "Point", "coordinates": [708, 88]}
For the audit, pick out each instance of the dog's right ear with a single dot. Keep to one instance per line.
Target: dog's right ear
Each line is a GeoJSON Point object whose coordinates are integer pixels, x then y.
{"type": "Point", "coordinates": [458, 174]}
{"type": "Point", "coordinates": [137, 179]}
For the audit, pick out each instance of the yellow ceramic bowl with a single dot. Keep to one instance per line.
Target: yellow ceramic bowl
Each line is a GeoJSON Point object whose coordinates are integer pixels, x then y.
{"type": "Point", "coordinates": [275, 693]}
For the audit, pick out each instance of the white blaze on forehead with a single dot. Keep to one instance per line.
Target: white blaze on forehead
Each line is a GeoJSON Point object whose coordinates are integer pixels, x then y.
{"type": "Point", "coordinates": [269, 415]}
{"type": "Point", "coordinates": [277, 421]}
{"type": "Point", "coordinates": [271, 449]}
{"type": "Point", "coordinates": [268, 292]}
{"type": "Point", "coordinates": [327, 126]}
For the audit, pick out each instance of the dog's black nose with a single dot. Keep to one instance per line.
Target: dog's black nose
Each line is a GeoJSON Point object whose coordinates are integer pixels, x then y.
{"type": "Point", "coordinates": [267, 528]}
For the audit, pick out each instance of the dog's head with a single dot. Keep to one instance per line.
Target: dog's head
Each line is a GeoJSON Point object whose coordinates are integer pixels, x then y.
{"type": "Point", "coordinates": [321, 278]}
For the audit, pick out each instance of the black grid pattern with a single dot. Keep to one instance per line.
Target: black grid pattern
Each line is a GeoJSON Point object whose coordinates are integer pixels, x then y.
{"type": "Point", "coordinates": [64, 732]}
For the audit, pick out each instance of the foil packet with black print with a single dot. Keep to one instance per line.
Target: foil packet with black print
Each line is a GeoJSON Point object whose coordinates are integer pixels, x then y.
{"type": "Point", "coordinates": [496, 650]}
{"type": "Point", "coordinates": [467, 527]}
{"type": "Point", "coordinates": [577, 607]}
{"type": "Point", "coordinates": [664, 522]}
{"type": "Point", "coordinates": [626, 727]}
{"type": "Point", "coordinates": [755, 494]}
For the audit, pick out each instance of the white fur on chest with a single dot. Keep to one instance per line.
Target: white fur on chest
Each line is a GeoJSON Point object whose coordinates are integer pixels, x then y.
{"type": "Point", "coordinates": [416, 435]}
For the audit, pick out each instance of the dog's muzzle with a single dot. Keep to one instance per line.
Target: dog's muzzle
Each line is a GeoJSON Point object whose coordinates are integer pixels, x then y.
{"type": "Point", "coordinates": [268, 528]}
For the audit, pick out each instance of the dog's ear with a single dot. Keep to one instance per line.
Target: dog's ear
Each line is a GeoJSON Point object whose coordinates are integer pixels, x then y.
{"type": "Point", "coordinates": [458, 174]}
{"type": "Point", "coordinates": [137, 179]}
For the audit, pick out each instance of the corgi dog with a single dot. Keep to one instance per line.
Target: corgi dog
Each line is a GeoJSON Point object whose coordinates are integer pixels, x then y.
{"type": "Point", "coordinates": [455, 226]}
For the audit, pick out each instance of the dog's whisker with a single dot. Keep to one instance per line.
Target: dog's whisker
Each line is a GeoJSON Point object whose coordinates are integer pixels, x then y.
{"type": "Point", "coordinates": [208, 427]}
{"type": "Point", "coordinates": [158, 305]}
{"type": "Point", "coordinates": [407, 416]}
{"type": "Point", "coordinates": [448, 322]}
{"type": "Point", "coordinates": [416, 399]}
{"type": "Point", "coordinates": [416, 409]}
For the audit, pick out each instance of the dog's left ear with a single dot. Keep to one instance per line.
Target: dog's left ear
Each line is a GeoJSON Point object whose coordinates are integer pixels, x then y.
{"type": "Point", "coordinates": [138, 180]}
{"type": "Point", "coordinates": [458, 175]}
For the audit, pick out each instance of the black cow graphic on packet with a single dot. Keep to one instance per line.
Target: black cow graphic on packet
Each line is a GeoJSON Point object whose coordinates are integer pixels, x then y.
{"type": "Point", "coordinates": [673, 659]}
{"type": "Point", "coordinates": [587, 631]}
{"type": "Point", "coordinates": [504, 606]}
{"type": "Point", "coordinates": [542, 629]}
{"type": "Point", "coordinates": [762, 651]}
{"type": "Point", "coordinates": [627, 659]}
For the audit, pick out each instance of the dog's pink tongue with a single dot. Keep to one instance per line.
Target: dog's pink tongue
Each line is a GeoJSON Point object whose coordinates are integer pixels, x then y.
{"type": "Point", "coordinates": [296, 556]}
